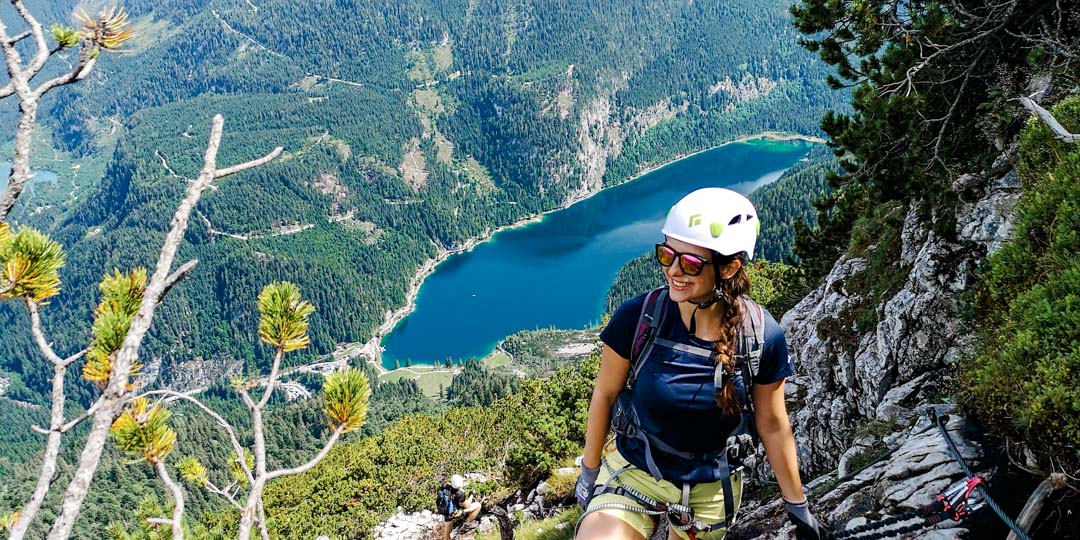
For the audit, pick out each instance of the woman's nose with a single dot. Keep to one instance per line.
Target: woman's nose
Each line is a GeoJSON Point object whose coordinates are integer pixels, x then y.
{"type": "Point", "coordinates": [675, 270]}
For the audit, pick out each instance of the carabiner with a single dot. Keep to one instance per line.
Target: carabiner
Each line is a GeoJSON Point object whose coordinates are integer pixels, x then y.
{"type": "Point", "coordinates": [963, 497]}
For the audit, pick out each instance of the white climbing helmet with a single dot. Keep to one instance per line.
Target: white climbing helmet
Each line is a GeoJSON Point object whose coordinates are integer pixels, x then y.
{"type": "Point", "coordinates": [715, 218]}
{"type": "Point", "coordinates": [457, 482]}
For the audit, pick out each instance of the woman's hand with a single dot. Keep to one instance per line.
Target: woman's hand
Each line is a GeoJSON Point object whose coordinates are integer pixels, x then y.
{"type": "Point", "coordinates": [807, 526]}
{"type": "Point", "coordinates": [583, 489]}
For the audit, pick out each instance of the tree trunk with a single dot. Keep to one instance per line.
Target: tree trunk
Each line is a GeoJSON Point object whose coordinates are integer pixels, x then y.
{"type": "Point", "coordinates": [20, 161]}
{"type": "Point", "coordinates": [49, 460]}
{"type": "Point", "coordinates": [506, 527]}
{"type": "Point", "coordinates": [1034, 504]}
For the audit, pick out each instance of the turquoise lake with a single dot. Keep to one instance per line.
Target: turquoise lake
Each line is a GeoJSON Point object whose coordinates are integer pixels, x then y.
{"type": "Point", "coordinates": [38, 176]}
{"type": "Point", "coordinates": [557, 272]}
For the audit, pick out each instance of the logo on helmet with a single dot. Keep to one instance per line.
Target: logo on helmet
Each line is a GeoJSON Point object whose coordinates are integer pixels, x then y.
{"type": "Point", "coordinates": [695, 220]}
{"type": "Point", "coordinates": [716, 229]}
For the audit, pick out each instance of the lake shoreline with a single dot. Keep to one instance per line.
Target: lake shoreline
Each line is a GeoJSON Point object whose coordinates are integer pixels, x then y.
{"type": "Point", "coordinates": [372, 349]}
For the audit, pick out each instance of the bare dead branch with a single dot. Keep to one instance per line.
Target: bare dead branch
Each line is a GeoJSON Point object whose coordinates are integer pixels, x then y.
{"type": "Point", "coordinates": [1033, 506]}
{"type": "Point", "coordinates": [249, 165]}
{"type": "Point", "coordinates": [82, 417]}
{"type": "Point", "coordinates": [19, 37]}
{"type": "Point", "coordinates": [314, 461]}
{"type": "Point", "coordinates": [179, 274]}
{"type": "Point", "coordinates": [936, 158]}
{"type": "Point", "coordinates": [177, 494]}
{"type": "Point", "coordinates": [47, 474]}
{"type": "Point", "coordinates": [907, 84]}
{"type": "Point", "coordinates": [172, 395]}
{"type": "Point", "coordinates": [263, 532]}
{"type": "Point", "coordinates": [272, 379]}
{"type": "Point", "coordinates": [1059, 131]}
{"type": "Point", "coordinates": [73, 358]}
{"type": "Point", "coordinates": [39, 336]}
{"type": "Point", "coordinates": [78, 73]}
{"type": "Point", "coordinates": [224, 493]}
{"type": "Point", "coordinates": [247, 515]}
{"type": "Point", "coordinates": [42, 53]}
{"type": "Point", "coordinates": [71, 424]}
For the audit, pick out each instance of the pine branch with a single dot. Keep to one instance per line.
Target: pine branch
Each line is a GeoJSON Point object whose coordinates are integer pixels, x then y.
{"type": "Point", "coordinates": [314, 461]}
{"type": "Point", "coordinates": [115, 392]}
{"type": "Point", "coordinates": [172, 395]}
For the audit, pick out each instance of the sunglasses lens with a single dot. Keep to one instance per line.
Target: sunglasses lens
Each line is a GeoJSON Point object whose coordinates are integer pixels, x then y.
{"type": "Point", "coordinates": [664, 255]}
{"type": "Point", "coordinates": [691, 265]}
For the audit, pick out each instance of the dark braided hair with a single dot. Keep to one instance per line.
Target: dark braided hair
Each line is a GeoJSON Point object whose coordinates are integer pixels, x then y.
{"type": "Point", "coordinates": [731, 315]}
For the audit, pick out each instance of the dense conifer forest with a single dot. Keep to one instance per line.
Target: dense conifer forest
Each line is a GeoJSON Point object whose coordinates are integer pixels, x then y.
{"type": "Point", "coordinates": [408, 128]}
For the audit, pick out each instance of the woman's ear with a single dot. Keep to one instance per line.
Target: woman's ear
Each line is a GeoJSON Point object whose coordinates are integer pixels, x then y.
{"type": "Point", "coordinates": [729, 270]}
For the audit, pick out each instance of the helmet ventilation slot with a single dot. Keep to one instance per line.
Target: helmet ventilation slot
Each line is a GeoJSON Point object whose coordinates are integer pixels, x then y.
{"type": "Point", "coordinates": [736, 219]}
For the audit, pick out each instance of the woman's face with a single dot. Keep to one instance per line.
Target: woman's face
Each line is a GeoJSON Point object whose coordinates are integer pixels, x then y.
{"type": "Point", "coordinates": [684, 287]}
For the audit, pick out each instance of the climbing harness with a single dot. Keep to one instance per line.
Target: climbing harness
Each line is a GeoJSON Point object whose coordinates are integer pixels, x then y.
{"type": "Point", "coordinates": [680, 514]}
{"type": "Point", "coordinates": [957, 502]}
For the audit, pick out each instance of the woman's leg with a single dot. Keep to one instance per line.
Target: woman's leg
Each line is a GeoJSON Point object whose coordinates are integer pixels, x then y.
{"type": "Point", "coordinates": [602, 526]}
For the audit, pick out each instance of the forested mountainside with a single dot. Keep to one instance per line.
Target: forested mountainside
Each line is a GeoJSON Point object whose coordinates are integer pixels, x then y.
{"type": "Point", "coordinates": [408, 127]}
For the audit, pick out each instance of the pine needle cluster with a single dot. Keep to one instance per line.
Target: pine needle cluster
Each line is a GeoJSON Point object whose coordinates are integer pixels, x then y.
{"type": "Point", "coordinates": [284, 316]}
{"type": "Point", "coordinates": [192, 471]}
{"type": "Point", "coordinates": [108, 30]}
{"type": "Point", "coordinates": [121, 295]}
{"type": "Point", "coordinates": [29, 264]}
{"type": "Point", "coordinates": [346, 394]}
{"type": "Point", "coordinates": [141, 430]}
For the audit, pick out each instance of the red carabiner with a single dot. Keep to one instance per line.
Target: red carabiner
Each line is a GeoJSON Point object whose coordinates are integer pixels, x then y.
{"type": "Point", "coordinates": [963, 497]}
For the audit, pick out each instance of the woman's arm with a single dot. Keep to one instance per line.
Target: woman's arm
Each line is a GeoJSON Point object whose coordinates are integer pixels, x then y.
{"type": "Point", "coordinates": [609, 382]}
{"type": "Point", "coordinates": [774, 428]}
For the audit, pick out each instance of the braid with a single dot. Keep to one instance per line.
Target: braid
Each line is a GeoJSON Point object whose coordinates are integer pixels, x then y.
{"type": "Point", "coordinates": [732, 290]}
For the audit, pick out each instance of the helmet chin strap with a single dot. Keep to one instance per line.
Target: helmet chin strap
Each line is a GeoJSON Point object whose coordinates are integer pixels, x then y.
{"type": "Point", "coordinates": [717, 295]}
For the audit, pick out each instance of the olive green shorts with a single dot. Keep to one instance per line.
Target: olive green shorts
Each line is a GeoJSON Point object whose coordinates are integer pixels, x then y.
{"type": "Point", "coordinates": [707, 500]}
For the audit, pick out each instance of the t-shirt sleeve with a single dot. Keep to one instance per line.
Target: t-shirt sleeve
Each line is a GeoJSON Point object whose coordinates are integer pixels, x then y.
{"type": "Point", "coordinates": [775, 362]}
{"type": "Point", "coordinates": [619, 333]}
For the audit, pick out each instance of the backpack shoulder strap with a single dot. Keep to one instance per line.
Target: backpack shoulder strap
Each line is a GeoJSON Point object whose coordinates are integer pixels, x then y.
{"type": "Point", "coordinates": [650, 319]}
{"type": "Point", "coordinates": [752, 335]}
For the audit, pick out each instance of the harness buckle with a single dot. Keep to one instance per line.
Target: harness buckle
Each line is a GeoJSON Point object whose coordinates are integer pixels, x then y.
{"type": "Point", "coordinates": [681, 516]}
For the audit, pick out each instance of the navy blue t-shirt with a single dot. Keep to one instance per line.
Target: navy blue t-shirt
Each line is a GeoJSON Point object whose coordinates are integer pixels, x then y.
{"type": "Point", "coordinates": [673, 403]}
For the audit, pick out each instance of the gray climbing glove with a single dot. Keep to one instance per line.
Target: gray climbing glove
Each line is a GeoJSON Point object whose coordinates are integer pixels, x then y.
{"type": "Point", "coordinates": [807, 526]}
{"type": "Point", "coordinates": [583, 490]}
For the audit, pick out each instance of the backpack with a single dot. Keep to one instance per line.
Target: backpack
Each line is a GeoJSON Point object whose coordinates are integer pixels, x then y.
{"type": "Point", "coordinates": [743, 440]}
{"type": "Point", "coordinates": [444, 501]}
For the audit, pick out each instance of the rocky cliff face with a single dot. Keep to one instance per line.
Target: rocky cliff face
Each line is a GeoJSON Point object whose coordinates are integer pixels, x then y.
{"type": "Point", "coordinates": [859, 401]}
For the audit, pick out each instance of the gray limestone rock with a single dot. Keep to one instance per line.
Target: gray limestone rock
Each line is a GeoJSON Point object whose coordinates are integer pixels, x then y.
{"type": "Point", "coordinates": [890, 375]}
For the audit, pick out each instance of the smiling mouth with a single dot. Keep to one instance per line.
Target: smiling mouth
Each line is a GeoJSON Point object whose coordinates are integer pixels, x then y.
{"type": "Point", "coordinates": [680, 283]}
